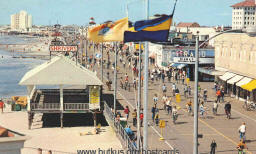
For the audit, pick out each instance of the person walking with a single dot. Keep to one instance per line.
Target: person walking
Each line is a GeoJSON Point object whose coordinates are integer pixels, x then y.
{"type": "Point", "coordinates": [222, 94]}
{"type": "Point", "coordinates": [218, 94]}
{"type": "Point", "coordinates": [201, 109]}
{"type": "Point", "coordinates": [2, 106]}
{"type": "Point", "coordinates": [134, 118]}
{"type": "Point", "coordinates": [215, 107]}
{"type": "Point", "coordinates": [242, 130]}
{"type": "Point", "coordinates": [189, 91]}
{"type": "Point", "coordinates": [185, 91]}
{"type": "Point", "coordinates": [227, 108]}
{"type": "Point", "coordinates": [173, 89]}
{"type": "Point", "coordinates": [164, 89]}
{"type": "Point", "coordinates": [169, 105]}
{"type": "Point", "coordinates": [157, 117]}
{"type": "Point", "coordinates": [126, 112]}
{"type": "Point", "coordinates": [153, 110]}
{"type": "Point", "coordinates": [155, 99]}
{"type": "Point", "coordinates": [205, 95]}
{"type": "Point", "coordinates": [164, 99]}
{"type": "Point", "coordinates": [213, 147]}
{"type": "Point", "coordinates": [141, 117]}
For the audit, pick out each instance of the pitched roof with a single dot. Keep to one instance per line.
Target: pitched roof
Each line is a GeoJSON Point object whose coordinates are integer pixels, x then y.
{"type": "Point", "coordinates": [245, 3]}
{"type": "Point", "coordinates": [188, 24]}
{"type": "Point", "coordinates": [60, 70]}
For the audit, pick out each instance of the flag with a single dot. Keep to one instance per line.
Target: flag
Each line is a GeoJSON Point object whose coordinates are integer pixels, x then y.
{"type": "Point", "coordinates": [109, 32]}
{"type": "Point", "coordinates": [155, 30]}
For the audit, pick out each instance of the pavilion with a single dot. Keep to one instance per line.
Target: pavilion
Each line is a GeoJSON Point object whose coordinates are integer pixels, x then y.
{"type": "Point", "coordinates": [61, 71]}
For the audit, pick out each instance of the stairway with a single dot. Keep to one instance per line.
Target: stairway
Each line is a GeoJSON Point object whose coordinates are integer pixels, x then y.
{"type": "Point", "coordinates": [37, 121]}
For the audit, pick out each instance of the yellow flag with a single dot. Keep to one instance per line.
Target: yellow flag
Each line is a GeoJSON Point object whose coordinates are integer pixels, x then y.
{"type": "Point", "coordinates": [109, 32]}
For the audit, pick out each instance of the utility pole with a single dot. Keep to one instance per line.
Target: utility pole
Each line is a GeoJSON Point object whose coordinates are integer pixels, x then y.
{"type": "Point", "coordinates": [145, 106]}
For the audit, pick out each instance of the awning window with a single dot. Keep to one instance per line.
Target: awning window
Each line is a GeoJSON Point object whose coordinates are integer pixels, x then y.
{"type": "Point", "coordinates": [244, 81]}
{"type": "Point", "coordinates": [235, 79]}
{"type": "Point", "coordinates": [250, 86]}
{"type": "Point", "coordinates": [227, 76]}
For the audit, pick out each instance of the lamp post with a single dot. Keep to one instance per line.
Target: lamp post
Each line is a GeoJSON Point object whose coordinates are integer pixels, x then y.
{"type": "Point", "coordinates": [195, 150]}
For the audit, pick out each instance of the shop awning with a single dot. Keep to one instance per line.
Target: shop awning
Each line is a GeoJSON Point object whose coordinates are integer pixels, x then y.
{"type": "Point", "coordinates": [235, 79]}
{"type": "Point", "coordinates": [227, 76]}
{"type": "Point", "coordinates": [174, 64]}
{"type": "Point", "coordinates": [250, 86]}
{"type": "Point", "coordinates": [210, 71]}
{"type": "Point", "coordinates": [244, 81]}
{"type": "Point", "coordinates": [180, 66]}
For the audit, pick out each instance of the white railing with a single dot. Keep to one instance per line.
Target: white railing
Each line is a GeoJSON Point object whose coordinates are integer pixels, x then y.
{"type": "Point", "coordinates": [76, 106]}
{"type": "Point", "coordinates": [45, 106]}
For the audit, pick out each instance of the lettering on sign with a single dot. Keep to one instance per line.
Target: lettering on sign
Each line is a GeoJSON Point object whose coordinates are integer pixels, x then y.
{"type": "Point", "coordinates": [63, 48]}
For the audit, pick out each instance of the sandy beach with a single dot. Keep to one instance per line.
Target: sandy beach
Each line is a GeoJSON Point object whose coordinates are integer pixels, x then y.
{"type": "Point", "coordinates": [60, 140]}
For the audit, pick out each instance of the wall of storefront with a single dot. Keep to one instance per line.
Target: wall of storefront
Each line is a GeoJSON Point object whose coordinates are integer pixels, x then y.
{"type": "Point", "coordinates": [236, 52]}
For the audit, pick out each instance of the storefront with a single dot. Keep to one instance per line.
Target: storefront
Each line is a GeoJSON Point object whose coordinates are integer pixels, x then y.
{"type": "Point", "coordinates": [186, 60]}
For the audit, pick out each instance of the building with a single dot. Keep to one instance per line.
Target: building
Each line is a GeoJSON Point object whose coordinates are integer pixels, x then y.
{"type": "Point", "coordinates": [188, 31]}
{"type": "Point", "coordinates": [21, 21]}
{"type": "Point", "coordinates": [243, 14]}
{"type": "Point", "coordinates": [235, 53]}
{"type": "Point", "coordinates": [182, 58]}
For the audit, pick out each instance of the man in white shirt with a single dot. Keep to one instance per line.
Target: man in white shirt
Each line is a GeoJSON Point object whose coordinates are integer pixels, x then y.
{"type": "Point", "coordinates": [242, 130]}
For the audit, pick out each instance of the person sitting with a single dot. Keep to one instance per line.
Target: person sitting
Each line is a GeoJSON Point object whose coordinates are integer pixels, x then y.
{"type": "Point", "coordinates": [129, 132]}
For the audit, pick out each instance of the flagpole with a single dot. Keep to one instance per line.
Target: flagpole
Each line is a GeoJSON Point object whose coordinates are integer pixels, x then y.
{"type": "Point", "coordinates": [145, 106]}
{"type": "Point", "coordinates": [139, 99]}
{"type": "Point", "coordinates": [102, 62]}
{"type": "Point", "coordinates": [115, 77]}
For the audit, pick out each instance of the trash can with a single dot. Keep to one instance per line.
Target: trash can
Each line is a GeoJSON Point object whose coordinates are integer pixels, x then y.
{"type": "Point", "coordinates": [17, 107]}
{"type": "Point", "coordinates": [123, 122]}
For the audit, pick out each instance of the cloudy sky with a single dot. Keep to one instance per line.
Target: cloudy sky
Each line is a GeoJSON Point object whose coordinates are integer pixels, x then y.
{"type": "Point", "coordinates": [66, 12]}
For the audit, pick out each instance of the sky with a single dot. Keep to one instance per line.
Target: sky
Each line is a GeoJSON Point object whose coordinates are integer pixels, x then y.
{"type": "Point", "coordinates": [68, 12]}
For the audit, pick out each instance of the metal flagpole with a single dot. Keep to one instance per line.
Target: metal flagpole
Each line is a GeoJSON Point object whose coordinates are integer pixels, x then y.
{"type": "Point", "coordinates": [138, 103]}
{"type": "Point", "coordinates": [115, 77]}
{"type": "Point", "coordinates": [145, 106]}
{"type": "Point", "coordinates": [196, 100]}
{"type": "Point", "coordinates": [101, 61]}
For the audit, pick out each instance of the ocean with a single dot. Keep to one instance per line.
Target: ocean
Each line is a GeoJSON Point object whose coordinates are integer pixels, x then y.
{"type": "Point", "coordinates": [13, 69]}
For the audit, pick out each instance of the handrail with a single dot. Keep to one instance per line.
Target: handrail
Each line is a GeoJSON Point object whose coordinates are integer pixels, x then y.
{"type": "Point", "coordinates": [119, 129]}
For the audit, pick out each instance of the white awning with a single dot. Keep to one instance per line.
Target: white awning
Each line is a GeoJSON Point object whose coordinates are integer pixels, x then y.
{"type": "Point", "coordinates": [60, 71]}
{"type": "Point", "coordinates": [181, 66]}
{"type": "Point", "coordinates": [235, 79]}
{"type": "Point", "coordinates": [244, 81]}
{"type": "Point", "coordinates": [227, 76]}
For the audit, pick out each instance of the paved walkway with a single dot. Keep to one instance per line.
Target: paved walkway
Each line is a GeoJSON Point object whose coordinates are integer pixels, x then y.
{"type": "Point", "coordinates": [180, 136]}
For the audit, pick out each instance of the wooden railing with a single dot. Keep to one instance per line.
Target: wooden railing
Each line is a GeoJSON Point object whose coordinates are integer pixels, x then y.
{"type": "Point", "coordinates": [76, 106]}
{"type": "Point", "coordinates": [56, 106]}
{"type": "Point", "coordinates": [45, 106]}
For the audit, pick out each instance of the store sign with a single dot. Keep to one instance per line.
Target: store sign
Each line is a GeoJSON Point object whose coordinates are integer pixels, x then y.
{"type": "Point", "coordinates": [184, 59]}
{"type": "Point", "coordinates": [191, 60]}
{"type": "Point", "coordinates": [63, 48]}
{"type": "Point", "coordinates": [94, 97]}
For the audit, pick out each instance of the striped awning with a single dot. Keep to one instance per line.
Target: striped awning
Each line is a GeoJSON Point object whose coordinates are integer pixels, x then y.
{"type": "Point", "coordinates": [227, 76]}
{"type": "Point", "coordinates": [250, 86]}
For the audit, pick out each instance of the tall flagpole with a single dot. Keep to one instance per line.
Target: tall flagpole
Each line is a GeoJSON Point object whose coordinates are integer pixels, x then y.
{"type": "Point", "coordinates": [196, 99]}
{"type": "Point", "coordinates": [115, 77]}
{"type": "Point", "coordinates": [145, 106]}
{"type": "Point", "coordinates": [139, 99]}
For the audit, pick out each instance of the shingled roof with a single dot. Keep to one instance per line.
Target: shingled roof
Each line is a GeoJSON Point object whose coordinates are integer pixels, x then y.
{"type": "Point", "coordinates": [245, 3]}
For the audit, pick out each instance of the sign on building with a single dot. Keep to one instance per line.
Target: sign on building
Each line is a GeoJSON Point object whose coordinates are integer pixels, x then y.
{"type": "Point", "coordinates": [94, 97]}
{"type": "Point", "coordinates": [63, 48]}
